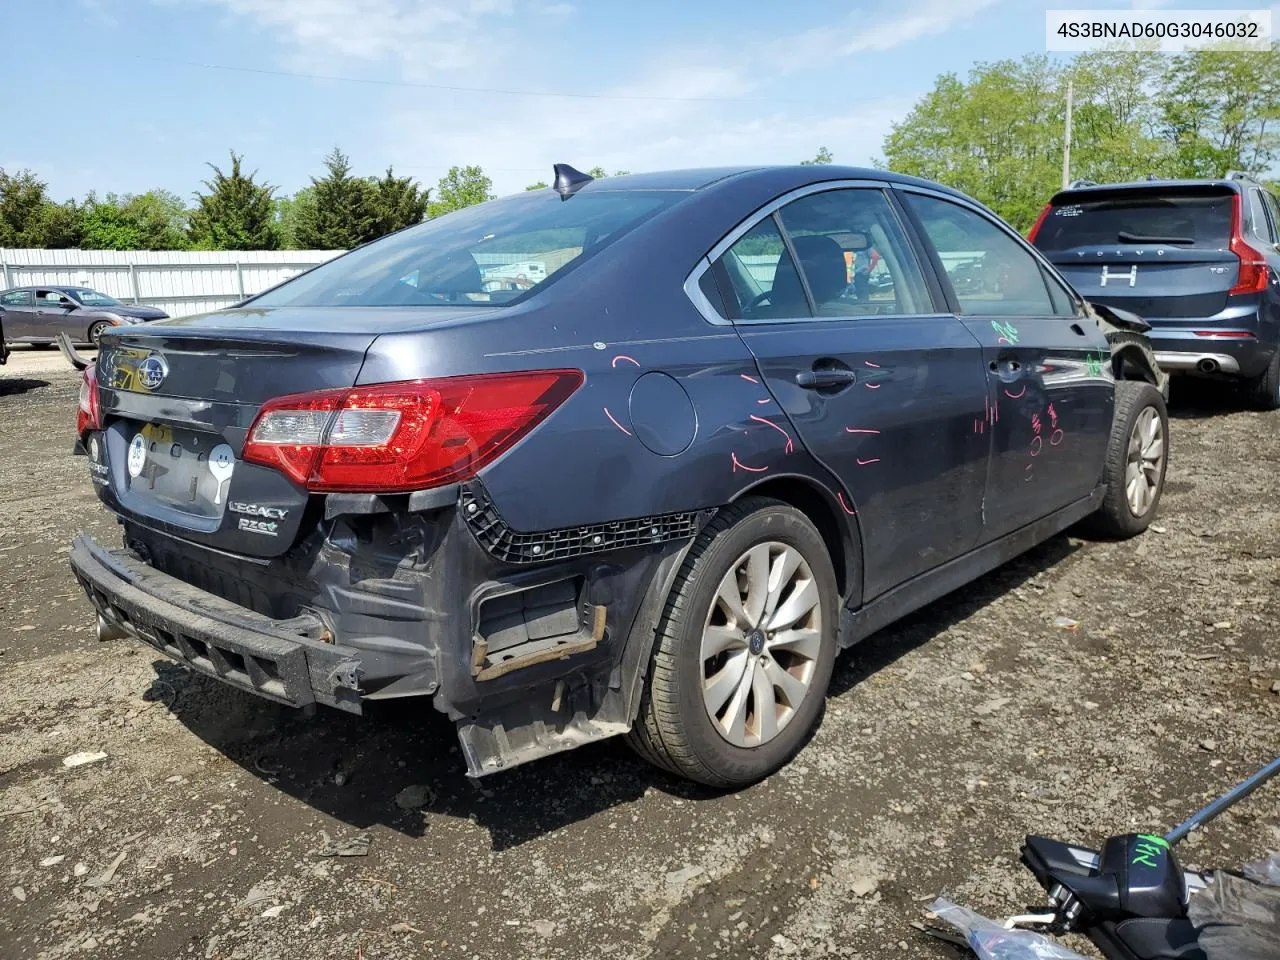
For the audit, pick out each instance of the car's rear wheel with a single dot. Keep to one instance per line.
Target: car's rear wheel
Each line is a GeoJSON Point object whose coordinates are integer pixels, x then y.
{"type": "Point", "coordinates": [744, 650]}
{"type": "Point", "coordinates": [95, 331]}
{"type": "Point", "coordinates": [1265, 389]}
{"type": "Point", "coordinates": [1137, 459]}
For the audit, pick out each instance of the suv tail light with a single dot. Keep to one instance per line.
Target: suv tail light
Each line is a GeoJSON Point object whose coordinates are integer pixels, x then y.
{"type": "Point", "coordinates": [1035, 227]}
{"type": "Point", "coordinates": [411, 435]}
{"type": "Point", "coordinates": [88, 414]}
{"type": "Point", "coordinates": [1253, 275]}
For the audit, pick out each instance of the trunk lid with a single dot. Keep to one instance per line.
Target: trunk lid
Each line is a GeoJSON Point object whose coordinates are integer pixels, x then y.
{"type": "Point", "coordinates": [178, 398]}
{"type": "Point", "coordinates": [1161, 252]}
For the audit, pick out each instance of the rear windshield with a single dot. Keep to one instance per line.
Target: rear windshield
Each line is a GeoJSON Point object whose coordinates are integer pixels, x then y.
{"type": "Point", "coordinates": [494, 253]}
{"type": "Point", "coordinates": [1198, 221]}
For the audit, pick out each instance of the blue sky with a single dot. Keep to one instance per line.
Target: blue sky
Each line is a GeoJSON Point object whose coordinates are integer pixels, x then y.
{"type": "Point", "coordinates": [109, 94]}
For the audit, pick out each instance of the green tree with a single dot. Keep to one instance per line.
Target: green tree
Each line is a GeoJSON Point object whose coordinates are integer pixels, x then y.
{"type": "Point", "coordinates": [996, 136]}
{"type": "Point", "coordinates": [28, 218]}
{"type": "Point", "coordinates": [398, 202]}
{"type": "Point", "coordinates": [540, 185]}
{"type": "Point", "coordinates": [155, 220]}
{"type": "Point", "coordinates": [286, 213]}
{"type": "Point", "coordinates": [342, 213]}
{"type": "Point", "coordinates": [824, 156]}
{"type": "Point", "coordinates": [237, 213]}
{"type": "Point", "coordinates": [1220, 110]}
{"type": "Point", "coordinates": [460, 187]}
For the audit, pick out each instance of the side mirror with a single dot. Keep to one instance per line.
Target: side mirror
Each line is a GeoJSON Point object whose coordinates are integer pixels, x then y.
{"type": "Point", "coordinates": [68, 305]}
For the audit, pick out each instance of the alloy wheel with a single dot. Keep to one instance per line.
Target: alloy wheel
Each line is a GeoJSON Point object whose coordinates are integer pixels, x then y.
{"type": "Point", "coordinates": [760, 644]}
{"type": "Point", "coordinates": [1144, 466]}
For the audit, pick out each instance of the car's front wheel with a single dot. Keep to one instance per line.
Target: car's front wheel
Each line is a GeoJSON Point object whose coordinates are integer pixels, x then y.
{"type": "Point", "coordinates": [744, 650]}
{"type": "Point", "coordinates": [1137, 458]}
{"type": "Point", "coordinates": [96, 331]}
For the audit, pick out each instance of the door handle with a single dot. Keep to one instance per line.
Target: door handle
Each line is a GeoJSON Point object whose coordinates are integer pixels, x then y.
{"type": "Point", "coordinates": [827, 377]}
{"type": "Point", "coordinates": [1077, 329]}
{"type": "Point", "coordinates": [1010, 365]}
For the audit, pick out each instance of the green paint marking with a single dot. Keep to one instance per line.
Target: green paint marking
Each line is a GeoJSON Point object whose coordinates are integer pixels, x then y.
{"type": "Point", "coordinates": [1094, 364]}
{"type": "Point", "coordinates": [1150, 850]}
{"type": "Point", "coordinates": [1006, 330]}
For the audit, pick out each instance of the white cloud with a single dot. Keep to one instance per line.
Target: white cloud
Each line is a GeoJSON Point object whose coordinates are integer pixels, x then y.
{"type": "Point", "coordinates": [661, 116]}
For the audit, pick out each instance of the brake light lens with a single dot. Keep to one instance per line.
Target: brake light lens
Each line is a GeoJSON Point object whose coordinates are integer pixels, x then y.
{"type": "Point", "coordinates": [88, 413]}
{"type": "Point", "coordinates": [403, 436]}
{"type": "Point", "coordinates": [1253, 276]}
{"type": "Point", "coordinates": [1035, 227]}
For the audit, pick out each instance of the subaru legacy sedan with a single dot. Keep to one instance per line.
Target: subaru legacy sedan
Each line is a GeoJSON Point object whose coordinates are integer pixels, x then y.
{"type": "Point", "coordinates": [732, 421]}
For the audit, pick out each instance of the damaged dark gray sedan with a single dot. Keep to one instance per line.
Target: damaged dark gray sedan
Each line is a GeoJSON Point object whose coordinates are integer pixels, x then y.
{"type": "Point", "coordinates": [630, 456]}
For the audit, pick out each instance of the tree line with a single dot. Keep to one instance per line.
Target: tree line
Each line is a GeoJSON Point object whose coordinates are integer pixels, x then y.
{"type": "Point", "coordinates": [996, 134]}
{"type": "Point", "coordinates": [235, 211]}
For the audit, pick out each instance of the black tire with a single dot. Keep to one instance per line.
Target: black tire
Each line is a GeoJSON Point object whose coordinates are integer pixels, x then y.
{"type": "Point", "coordinates": [1116, 518]}
{"type": "Point", "coordinates": [674, 730]}
{"type": "Point", "coordinates": [95, 331]}
{"type": "Point", "coordinates": [1264, 390]}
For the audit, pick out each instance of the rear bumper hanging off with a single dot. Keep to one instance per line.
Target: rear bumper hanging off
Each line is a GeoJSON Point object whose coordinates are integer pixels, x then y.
{"type": "Point", "coordinates": [281, 660]}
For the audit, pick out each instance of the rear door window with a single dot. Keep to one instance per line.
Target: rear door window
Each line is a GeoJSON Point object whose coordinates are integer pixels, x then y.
{"type": "Point", "coordinates": [1201, 221]}
{"type": "Point", "coordinates": [1273, 206]}
{"type": "Point", "coordinates": [854, 255]}
{"type": "Point", "coordinates": [761, 276]}
{"type": "Point", "coordinates": [16, 298]}
{"type": "Point", "coordinates": [990, 272]}
{"type": "Point", "coordinates": [1263, 227]}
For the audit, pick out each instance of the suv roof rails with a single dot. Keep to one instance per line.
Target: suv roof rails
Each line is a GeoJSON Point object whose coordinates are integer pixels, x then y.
{"type": "Point", "coordinates": [1241, 175]}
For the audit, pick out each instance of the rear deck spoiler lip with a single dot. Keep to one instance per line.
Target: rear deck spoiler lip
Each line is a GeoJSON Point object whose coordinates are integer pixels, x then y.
{"type": "Point", "coordinates": [1112, 191]}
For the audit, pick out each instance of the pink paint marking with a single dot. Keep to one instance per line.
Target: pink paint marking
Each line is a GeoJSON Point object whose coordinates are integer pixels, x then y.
{"type": "Point", "coordinates": [870, 364]}
{"type": "Point", "coordinates": [1015, 396]}
{"type": "Point", "coordinates": [862, 463]}
{"type": "Point", "coordinates": [739, 464]}
{"type": "Point", "coordinates": [1035, 422]}
{"type": "Point", "coordinates": [859, 430]}
{"type": "Point", "coordinates": [623, 356]}
{"type": "Point", "coordinates": [995, 411]}
{"type": "Point", "coordinates": [765, 400]}
{"type": "Point", "coordinates": [748, 379]}
{"type": "Point", "coordinates": [769, 423]}
{"type": "Point", "coordinates": [1053, 415]}
{"type": "Point", "coordinates": [614, 421]}
{"type": "Point", "coordinates": [844, 506]}
{"type": "Point", "coordinates": [1055, 438]}
{"type": "Point", "coordinates": [1001, 340]}
{"type": "Point", "coordinates": [872, 386]}
{"type": "Point", "coordinates": [1036, 445]}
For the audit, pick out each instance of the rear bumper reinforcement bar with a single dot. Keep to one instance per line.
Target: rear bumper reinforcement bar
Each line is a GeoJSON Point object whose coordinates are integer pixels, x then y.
{"type": "Point", "coordinates": [281, 660]}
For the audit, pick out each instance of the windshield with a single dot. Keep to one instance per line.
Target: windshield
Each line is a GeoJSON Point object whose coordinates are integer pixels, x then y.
{"type": "Point", "coordinates": [1198, 221]}
{"type": "Point", "coordinates": [92, 298]}
{"type": "Point", "coordinates": [494, 253]}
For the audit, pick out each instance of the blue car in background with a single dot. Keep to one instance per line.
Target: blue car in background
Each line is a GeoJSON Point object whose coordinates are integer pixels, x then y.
{"type": "Point", "coordinates": [1199, 260]}
{"type": "Point", "coordinates": [632, 456]}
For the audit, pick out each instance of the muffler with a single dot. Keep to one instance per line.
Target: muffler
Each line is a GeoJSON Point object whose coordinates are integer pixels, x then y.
{"type": "Point", "coordinates": [1207, 365]}
{"type": "Point", "coordinates": [110, 631]}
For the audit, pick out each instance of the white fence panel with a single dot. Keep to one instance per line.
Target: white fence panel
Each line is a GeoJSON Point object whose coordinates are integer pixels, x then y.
{"type": "Point", "coordinates": [180, 282]}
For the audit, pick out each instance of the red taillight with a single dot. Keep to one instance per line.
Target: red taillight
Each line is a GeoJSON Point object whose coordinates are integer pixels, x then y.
{"type": "Point", "coordinates": [1226, 334]}
{"type": "Point", "coordinates": [88, 414]}
{"type": "Point", "coordinates": [1252, 277]}
{"type": "Point", "coordinates": [403, 436]}
{"type": "Point", "coordinates": [1035, 227]}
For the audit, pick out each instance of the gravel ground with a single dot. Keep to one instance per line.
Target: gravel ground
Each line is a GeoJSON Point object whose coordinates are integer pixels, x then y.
{"type": "Point", "coordinates": [946, 738]}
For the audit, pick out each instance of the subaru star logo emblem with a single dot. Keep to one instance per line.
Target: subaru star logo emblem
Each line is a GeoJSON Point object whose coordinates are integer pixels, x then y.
{"type": "Point", "coordinates": [152, 371]}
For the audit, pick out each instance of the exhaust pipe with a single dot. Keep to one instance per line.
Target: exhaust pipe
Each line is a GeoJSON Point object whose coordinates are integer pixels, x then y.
{"type": "Point", "coordinates": [1207, 365]}
{"type": "Point", "coordinates": [108, 630]}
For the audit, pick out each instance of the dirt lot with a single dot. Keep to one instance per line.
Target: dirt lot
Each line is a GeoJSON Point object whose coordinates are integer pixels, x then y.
{"type": "Point", "coordinates": [946, 738]}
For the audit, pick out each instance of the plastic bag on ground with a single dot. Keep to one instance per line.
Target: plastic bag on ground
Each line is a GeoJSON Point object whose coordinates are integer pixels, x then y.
{"type": "Point", "coordinates": [1238, 919]}
{"type": "Point", "coordinates": [1264, 871]}
{"type": "Point", "coordinates": [990, 941]}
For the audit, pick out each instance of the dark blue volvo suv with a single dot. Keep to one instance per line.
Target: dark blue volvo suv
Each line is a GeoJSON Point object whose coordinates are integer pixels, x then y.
{"type": "Point", "coordinates": [1198, 259]}
{"type": "Point", "coordinates": [626, 456]}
